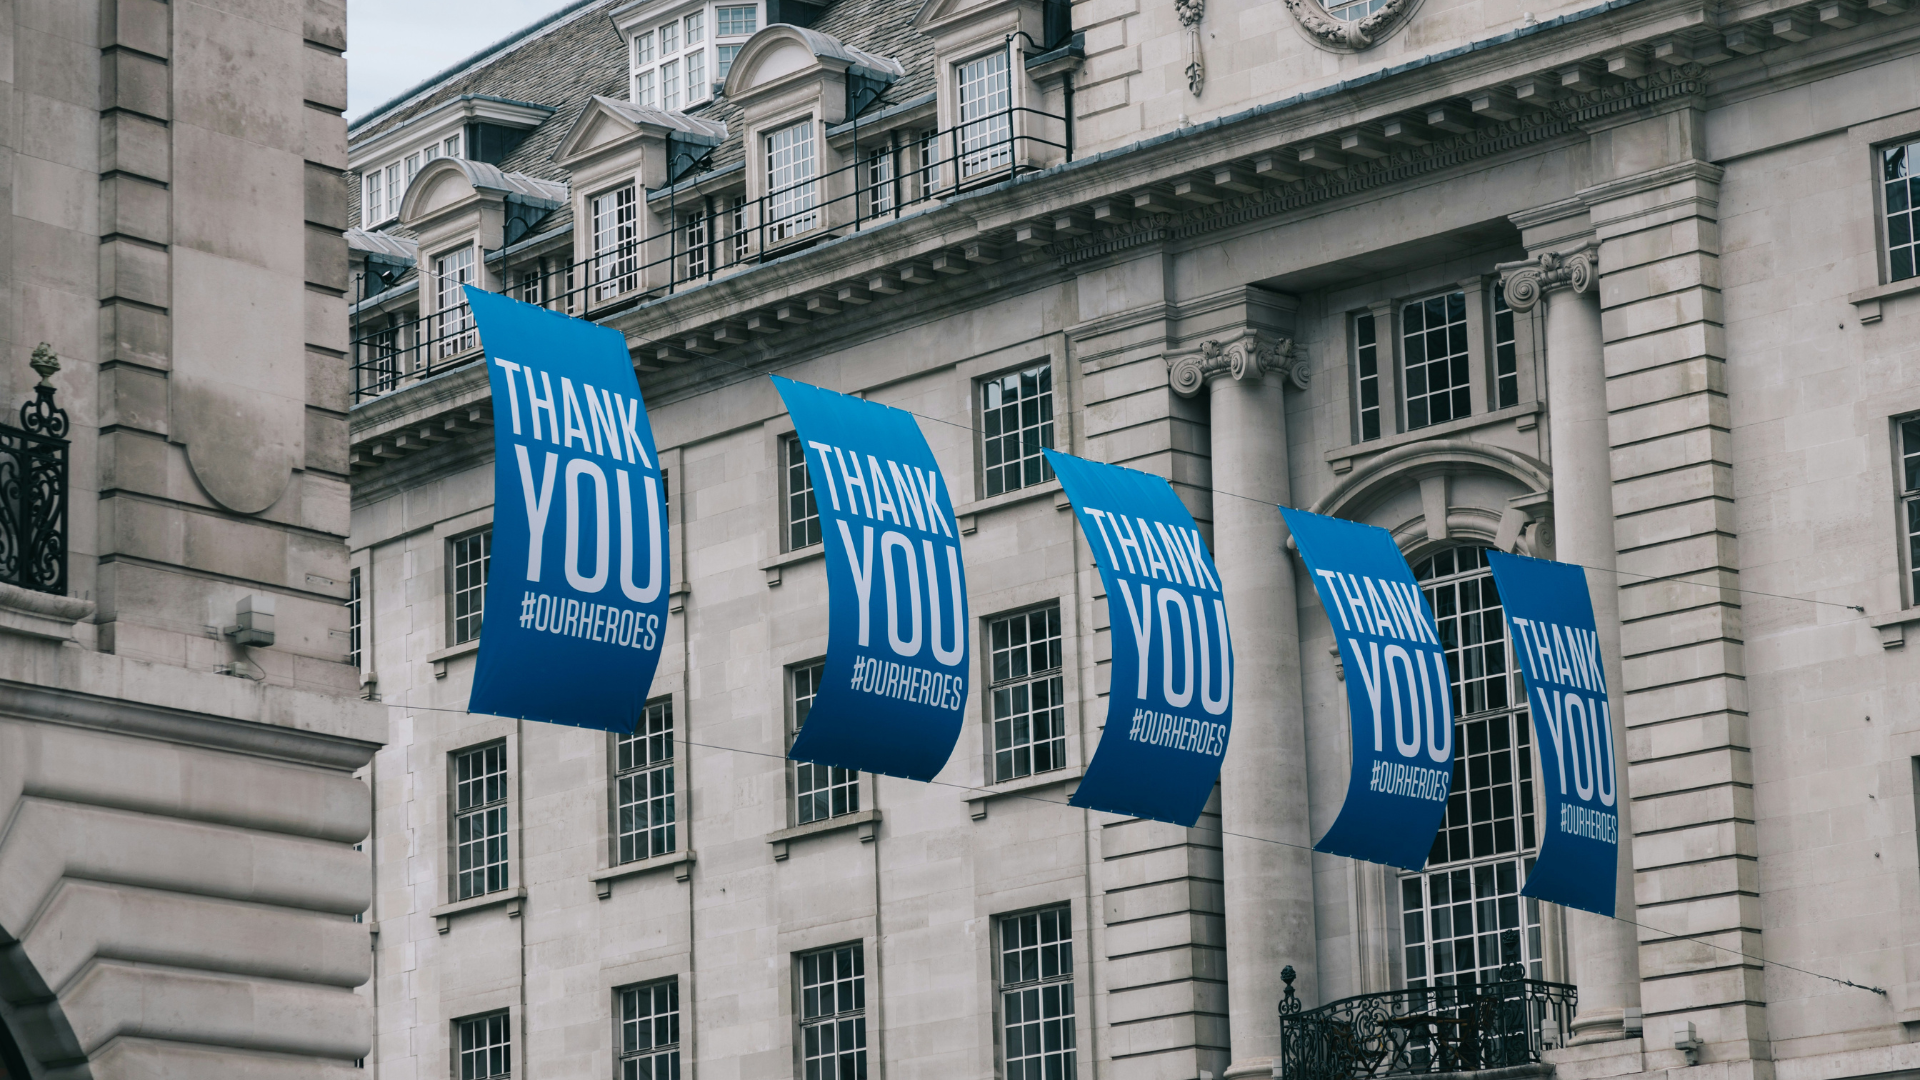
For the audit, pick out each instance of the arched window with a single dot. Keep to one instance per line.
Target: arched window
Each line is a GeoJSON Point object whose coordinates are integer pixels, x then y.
{"type": "Point", "coordinates": [1453, 912]}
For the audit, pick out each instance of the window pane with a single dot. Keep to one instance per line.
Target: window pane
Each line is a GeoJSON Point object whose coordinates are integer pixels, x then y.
{"type": "Point", "coordinates": [986, 127]}
{"type": "Point", "coordinates": [1037, 1006]}
{"type": "Point", "coordinates": [790, 184]}
{"type": "Point", "coordinates": [1017, 424]}
{"type": "Point", "coordinates": [646, 811]}
{"type": "Point", "coordinates": [1028, 698]}
{"type": "Point", "coordinates": [1434, 343]}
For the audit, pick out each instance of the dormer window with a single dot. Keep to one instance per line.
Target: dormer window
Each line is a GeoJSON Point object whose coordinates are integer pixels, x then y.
{"type": "Point", "coordinates": [790, 185]}
{"type": "Point", "coordinates": [986, 129]}
{"type": "Point", "coordinates": [671, 68]}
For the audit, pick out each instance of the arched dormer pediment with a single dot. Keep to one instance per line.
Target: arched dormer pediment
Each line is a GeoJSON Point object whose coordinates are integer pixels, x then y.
{"type": "Point", "coordinates": [1443, 491]}
{"type": "Point", "coordinates": [449, 182]}
{"type": "Point", "coordinates": [781, 51]}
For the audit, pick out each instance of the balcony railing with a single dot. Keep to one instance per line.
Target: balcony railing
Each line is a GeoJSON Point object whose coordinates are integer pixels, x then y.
{"type": "Point", "coordinates": [33, 489]}
{"type": "Point", "coordinates": [1444, 1029]}
{"type": "Point", "coordinates": [882, 182]}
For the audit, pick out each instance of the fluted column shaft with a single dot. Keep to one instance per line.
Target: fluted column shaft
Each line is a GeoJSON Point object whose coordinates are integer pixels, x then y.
{"type": "Point", "coordinates": [1263, 779]}
{"type": "Point", "coordinates": [1604, 953]}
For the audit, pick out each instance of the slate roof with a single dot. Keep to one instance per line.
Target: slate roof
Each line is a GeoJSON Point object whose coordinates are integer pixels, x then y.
{"type": "Point", "coordinates": [576, 54]}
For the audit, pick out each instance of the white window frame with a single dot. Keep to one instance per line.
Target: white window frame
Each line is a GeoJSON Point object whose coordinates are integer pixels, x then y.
{"type": "Point", "coordinates": [1033, 965]}
{"type": "Point", "coordinates": [1001, 472]}
{"type": "Point", "coordinates": [490, 1037]}
{"type": "Point", "coordinates": [645, 791]}
{"type": "Point", "coordinates": [1459, 362]}
{"type": "Point", "coordinates": [1026, 692]}
{"type": "Point", "coordinates": [670, 85]}
{"type": "Point", "coordinates": [453, 329]}
{"type": "Point", "coordinates": [1906, 433]}
{"type": "Point", "coordinates": [792, 162]}
{"type": "Point", "coordinates": [646, 1023]}
{"type": "Point", "coordinates": [482, 832]}
{"type": "Point", "coordinates": [983, 91]}
{"type": "Point", "coordinates": [613, 218]}
{"type": "Point", "coordinates": [800, 524]}
{"type": "Point", "coordinates": [372, 195]}
{"type": "Point", "coordinates": [464, 624]}
{"type": "Point", "coordinates": [1891, 221]}
{"type": "Point", "coordinates": [825, 1033]}
{"type": "Point", "coordinates": [820, 792]}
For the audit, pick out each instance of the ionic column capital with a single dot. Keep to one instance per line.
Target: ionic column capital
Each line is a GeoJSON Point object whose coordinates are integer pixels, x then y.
{"type": "Point", "coordinates": [1526, 282]}
{"type": "Point", "coordinates": [1250, 355]}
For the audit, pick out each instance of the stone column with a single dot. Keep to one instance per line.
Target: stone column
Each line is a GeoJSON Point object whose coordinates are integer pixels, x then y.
{"type": "Point", "coordinates": [1263, 780]}
{"type": "Point", "coordinates": [1603, 952]}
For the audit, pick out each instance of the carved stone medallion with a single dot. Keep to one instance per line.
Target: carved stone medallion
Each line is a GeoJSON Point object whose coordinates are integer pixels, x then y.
{"type": "Point", "coordinates": [1350, 25]}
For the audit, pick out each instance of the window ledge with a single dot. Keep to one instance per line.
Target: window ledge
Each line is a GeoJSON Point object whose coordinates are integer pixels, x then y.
{"type": "Point", "coordinates": [680, 861]}
{"type": "Point", "coordinates": [978, 798]}
{"type": "Point", "coordinates": [439, 659]}
{"type": "Point", "coordinates": [1866, 302]}
{"type": "Point", "coordinates": [966, 514]}
{"type": "Point", "coordinates": [867, 821]}
{"type": "Point", "coordinates": [512, 899]}
{"type": "Point", "coordinates": [780, 562]}
{"type": "Point", "coordinates": [677, 594]}
{"type": "Point", "coordinates": [1893, 626]}
{"type": "Point", "coordinates": [1524, 416]}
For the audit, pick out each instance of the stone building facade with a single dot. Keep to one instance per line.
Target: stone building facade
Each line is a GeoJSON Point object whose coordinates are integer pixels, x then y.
{"type": "Point", "coordinates": [1628, 285]}
{"type": "Point", "coordinates": [180, 891]}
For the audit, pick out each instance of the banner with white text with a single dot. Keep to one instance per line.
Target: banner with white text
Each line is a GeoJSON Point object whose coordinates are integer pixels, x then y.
{"type": "Point", "coordinates": [1170, 700]}
{"type": "Point", "coordinates": [576, 596]}
{"type": "Point", "coordinates": [1550, 623]}
{"type": "Point", "coordinates": [896, 679]}
{"type": "Point", "coordinates": [1399, 696]}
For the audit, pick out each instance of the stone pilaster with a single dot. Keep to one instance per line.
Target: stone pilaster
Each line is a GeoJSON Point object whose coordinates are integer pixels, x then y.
{"type": "Point", "coordinates": [1263, 781]}
{"type": "Point", "coordinates": [1600, 950]}
{"type": "Point", "coordinates": [1695, 850]}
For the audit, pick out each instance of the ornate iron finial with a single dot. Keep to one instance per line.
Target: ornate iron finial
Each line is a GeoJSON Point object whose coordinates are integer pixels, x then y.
{"type": "Point", "coordinates": [1510, 967]}
{"type": "Point", "coordinates": [1289, 1004]}
{"type": "Point", "coordinates": [41, 416]}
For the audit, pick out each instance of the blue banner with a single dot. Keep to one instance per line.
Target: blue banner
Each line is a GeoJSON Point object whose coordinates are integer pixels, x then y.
{"type": "Point", "coordinates": [1399, 696]}
{"type": "Point", "coordinates": [1170, 701]}
{"type": "Point", "coordinates": [576, 600]}
{"type": "Point", "coordinates": [1550, 623]}
{"type": "Point", "coordinates": [896, 676]}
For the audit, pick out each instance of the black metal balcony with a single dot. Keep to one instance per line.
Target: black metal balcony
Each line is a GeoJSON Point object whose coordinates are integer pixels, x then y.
{"type": "Point", "coordinates": [33, 489]}
{"type": "Point", "coordinates": [1442, 1029]}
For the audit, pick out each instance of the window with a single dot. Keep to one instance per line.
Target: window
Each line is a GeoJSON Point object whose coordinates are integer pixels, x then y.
{"type": "Point", "coordinates": [669, 39]}
{"type": "Point", "coordinates": [1506, 354]}
{"type": "Point", "coordinates": [833, 1021]}
{"type": "Point", "coordinates": [453, 319]}
{"type": "Point", "coordinates": [485, 1047]}
{"type": "Point", "coordinates": [790, 180]}
{"type": "Point", "coordinates": [735, 21]}
{"type": "Point", "coordinates": [820, 791]}
{"type": "Point", "coordinates": [353, 617]}
{"type": "Point", "coordinates": [985, 122]}
{"type": "Point", "coordinates": [1366, 357]}
{"type": "Point", "coordinates": [650, 1031]}
{"type": "Point", "coordinates": [642, 69]}
{"type": "Point", "coordinates": [1910, 485]}
{"type": "Point", "coordinates": [1355, 10]}
{"type": "Point", "coordinates": [670, 85]}
{"type": "Point", "coordinates": [370, 187]}
{"type": "Point", "coordinates": [1434, 340]}
{"type": "Point", "coordinates": [413, 167]}
{"type": "Point", "coordinates": [727, 53]}
{"type": "Point", "coordinates": [430, 153]}
{"type": "Point", "coordinates": [695, 28]}
{"type": "Point", "coordinates": [532, 285]}
{"type": "Point", "coordinates": [472, 558]}
{"type": "Point", "coordinates": [451, 148]}
{"type": "Point", "coordinates": [742, 236]}
{"type": "Point", "coordinates": [1029, 701]}
{"type": "Point", "coordinates": [1017, 422]}
{"type": "Point", "coordinates": [697, 251]}
{"type": "Point", "coordinates": [1036, 994]}
{"type": "Point", "coordinates": [480, 822]}
{"type": "Point", "coordinates": [643, 777]}
{"type": "Point", "coordinates": [643, 48]}
{"type": "Point", "coordinates": [1455, 912]}
{"type": "Point", "coordinates": [643, 89]}
{"type": "Point", "coordinates": [1902, 187]}
{"type": "Point", "coordinates": [803, 514]}
{"type": "Point", "coordinates": [697, 75]}
{"type": "Point", "coordinates": [616, 255]}
{"type": "Point", "coordinates": [879, 182]}
{"type": "Point", "coordinates": [394, 191]}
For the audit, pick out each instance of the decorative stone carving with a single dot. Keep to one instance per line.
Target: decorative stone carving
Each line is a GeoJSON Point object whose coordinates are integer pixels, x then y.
{"type": "Point", "coordinates": [1190, 12]}
{"type": "Point", "coordinates": [1331, 32]}
{"type": "Point", "coordinates": [1250, 354]}
{"type": "Point", "coordinates": [1526, 282]}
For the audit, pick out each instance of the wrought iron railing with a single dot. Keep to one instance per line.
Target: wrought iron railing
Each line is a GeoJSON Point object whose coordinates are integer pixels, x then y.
{"type": "Point", "coordinates": [880, 183]}
{"type": "Point", "coordinates": [33, 488]}
{"type": "Point", "coordinates": [1462, 1028]}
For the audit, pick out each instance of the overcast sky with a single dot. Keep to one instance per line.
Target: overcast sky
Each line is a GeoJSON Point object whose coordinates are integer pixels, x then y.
{"type": "Point", "coordinates": [393, 45]}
